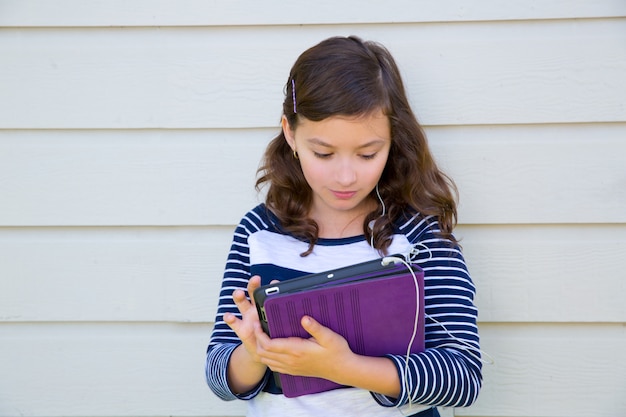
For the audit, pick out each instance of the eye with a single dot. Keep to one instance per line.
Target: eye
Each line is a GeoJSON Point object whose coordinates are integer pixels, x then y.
{"type": "Point", "coordinates": [322, 155]}
{"type": "Point", "coordinates": [369, 156]}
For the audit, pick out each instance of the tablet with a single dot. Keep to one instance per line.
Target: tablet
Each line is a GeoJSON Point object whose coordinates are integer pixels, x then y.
{"type": "Point", "coordinates": [376, 305]}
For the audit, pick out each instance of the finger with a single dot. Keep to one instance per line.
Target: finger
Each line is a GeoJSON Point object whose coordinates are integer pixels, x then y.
{"type": "Point", "coordinates": [270, 347]}
{"type": "Point", "coordinates": [261, 337]}
{"type": "Point", "coordinates": [232, 321]}
{"type": "Point", "coordinates": [263, 341]}
{"type": "Point", "coordinates": [316, 330]}
{"type": "Point", "coordinates": [242, 303]}
{"type": "Point", "coordinates": [253, 284]}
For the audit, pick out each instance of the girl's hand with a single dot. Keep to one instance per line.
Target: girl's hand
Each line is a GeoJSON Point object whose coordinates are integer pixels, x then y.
{"type": "Point", "coordinates": [245, 328]}
{"type": "Point", "coordinates": [322, 355]}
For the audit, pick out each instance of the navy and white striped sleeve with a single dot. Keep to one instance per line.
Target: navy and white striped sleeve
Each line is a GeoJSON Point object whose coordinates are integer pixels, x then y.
{"type": "Point", "coordinates": [223, 339]}
{"type": "Point", "coordinates": [449, 372]}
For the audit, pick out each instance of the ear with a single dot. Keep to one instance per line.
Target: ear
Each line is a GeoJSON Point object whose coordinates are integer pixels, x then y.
{"type": "Point", "coordinates": [289, 134]}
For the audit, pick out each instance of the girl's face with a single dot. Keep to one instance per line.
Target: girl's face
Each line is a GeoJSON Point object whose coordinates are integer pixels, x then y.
{"type": "Point", "coordinates": [342, 159]}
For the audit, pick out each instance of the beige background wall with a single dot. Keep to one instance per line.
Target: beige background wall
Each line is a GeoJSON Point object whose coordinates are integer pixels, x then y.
{"type": "Point", "coordinates": [130, 132]}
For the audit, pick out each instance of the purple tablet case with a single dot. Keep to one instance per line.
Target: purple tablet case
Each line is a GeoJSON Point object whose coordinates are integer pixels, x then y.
{"type": "Point", "coordinates": [376, 315]}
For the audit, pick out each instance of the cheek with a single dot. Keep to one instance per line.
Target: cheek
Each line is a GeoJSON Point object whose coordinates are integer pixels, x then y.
{"type": "Point", "coordinates": [314, 173]}
{"type": "Point", "coordinates": [374, 172]}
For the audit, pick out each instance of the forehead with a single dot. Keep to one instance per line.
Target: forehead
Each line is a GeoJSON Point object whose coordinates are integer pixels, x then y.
{"type": "Point", "coordinates": [335, 130]}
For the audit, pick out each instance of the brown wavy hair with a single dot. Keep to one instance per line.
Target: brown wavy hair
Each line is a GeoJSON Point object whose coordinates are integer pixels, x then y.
{"type": "Point", "coordinates": [349, 77]}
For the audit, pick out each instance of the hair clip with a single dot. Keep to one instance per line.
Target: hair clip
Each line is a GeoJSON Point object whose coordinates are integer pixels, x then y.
{"type": "Point", "coordinates": [293, 94]}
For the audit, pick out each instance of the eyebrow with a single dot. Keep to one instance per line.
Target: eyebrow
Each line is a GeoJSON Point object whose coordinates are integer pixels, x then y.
{"type": "Point", "coordinates": [320, 142]}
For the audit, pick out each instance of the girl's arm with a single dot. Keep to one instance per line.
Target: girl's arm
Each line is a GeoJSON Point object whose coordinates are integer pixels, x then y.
{"type": "Point", "coordinates": [449, 371]}
{"type": "Point", "coordinates": [230, 370]}
{"type": "Point", "coordinates": [245, 369]}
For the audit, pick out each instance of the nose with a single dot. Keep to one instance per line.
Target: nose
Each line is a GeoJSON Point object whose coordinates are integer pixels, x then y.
{"type": "Point", "coordinates": [345, 173]}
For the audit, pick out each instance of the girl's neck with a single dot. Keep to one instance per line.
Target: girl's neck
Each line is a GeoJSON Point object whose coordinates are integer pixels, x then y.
{"type": "Point", "coordinates": [338, 224]}
{"type": "Point", "coordinates": [337, 229]}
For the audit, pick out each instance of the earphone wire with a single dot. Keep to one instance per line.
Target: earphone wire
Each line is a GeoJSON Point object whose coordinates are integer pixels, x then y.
{"type": "Point", "coordinates": [415, 323]}
{"type": "Point", "coordinates": [373, 222]}
{"type": "Point", "coordinates": [462, 344]}
{"type": "Point", "coordinates": [413, 335]}
{"type": "Point", "coordinates": [381, 201]}
{"type": "Point", "coordinates": [472, 350]}
{"type": "Point", "coordinates": [407, 260]}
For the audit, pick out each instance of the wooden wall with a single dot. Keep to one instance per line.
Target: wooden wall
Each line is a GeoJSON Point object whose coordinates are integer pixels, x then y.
{"type": "Point", "coordinates": [130, 133]}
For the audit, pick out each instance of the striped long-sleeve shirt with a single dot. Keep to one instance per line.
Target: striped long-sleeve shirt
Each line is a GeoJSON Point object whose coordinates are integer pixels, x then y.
{"type": "Point", "coordinates": [446, 373]}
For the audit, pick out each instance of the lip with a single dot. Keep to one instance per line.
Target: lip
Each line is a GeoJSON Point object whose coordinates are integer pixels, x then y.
{"type": "Point", "coordinates": [344, 195]}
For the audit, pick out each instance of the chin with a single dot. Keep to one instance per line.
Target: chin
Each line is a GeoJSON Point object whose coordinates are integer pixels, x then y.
{"type": "Point", "coordinates": [346, 205]}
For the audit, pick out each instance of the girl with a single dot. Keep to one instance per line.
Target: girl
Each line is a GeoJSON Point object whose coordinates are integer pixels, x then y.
{"type": "Point", "coordinates": [350, 178]}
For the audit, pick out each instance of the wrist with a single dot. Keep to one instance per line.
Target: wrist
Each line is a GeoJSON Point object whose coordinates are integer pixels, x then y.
{"type": "Point", "coordinates": [376, 374]}
{"type": "Point", "coordinates": [243, 371]}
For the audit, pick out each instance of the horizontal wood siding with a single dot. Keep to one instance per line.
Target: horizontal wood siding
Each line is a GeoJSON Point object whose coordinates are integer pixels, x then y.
{"type": "Point", "coordinates": [556, 273]}
{"type": "Point", "coordinates": [130, 135]}
{"type": "Point", "coordinates": [557, 71]}
{"type": "Point", "coordinates": [127, 369]}
{"type": "Point", "coordinates": [512, 174]}
{"type": "Point", "coordinates": [41, 13]}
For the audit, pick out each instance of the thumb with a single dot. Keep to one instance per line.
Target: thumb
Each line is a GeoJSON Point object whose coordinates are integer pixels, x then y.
{"type": "Point", "coordinates": [315, 329]}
